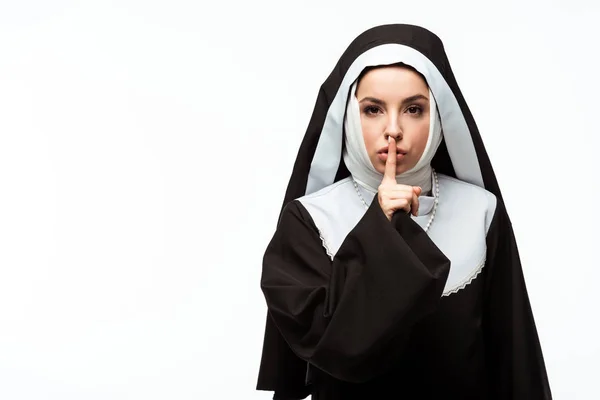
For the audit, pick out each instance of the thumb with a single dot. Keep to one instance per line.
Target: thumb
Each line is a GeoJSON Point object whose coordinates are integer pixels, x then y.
{"type": "Point", "coordinates": [418, 190]}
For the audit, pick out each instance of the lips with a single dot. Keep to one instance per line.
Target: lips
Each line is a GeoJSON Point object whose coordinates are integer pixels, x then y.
{"type": "Point", "coordinates": [383, 156]}
{"type": "Point", "coordinates": [384, 150]}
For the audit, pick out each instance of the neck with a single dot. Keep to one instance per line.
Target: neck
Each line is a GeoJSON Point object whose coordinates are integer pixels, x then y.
{"type": "Point", "coordinates": [421, 177]}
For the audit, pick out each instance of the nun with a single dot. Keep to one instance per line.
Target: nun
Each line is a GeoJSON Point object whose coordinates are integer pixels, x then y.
{"type": "Point", "coordinates": [393, 272]}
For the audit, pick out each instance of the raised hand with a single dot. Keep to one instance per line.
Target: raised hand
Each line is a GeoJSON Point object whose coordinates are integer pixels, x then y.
{"type": "Point", "coordinates": [393, 196]}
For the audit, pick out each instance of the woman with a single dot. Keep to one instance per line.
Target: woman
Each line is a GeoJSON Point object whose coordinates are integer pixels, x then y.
{"type": "Point", "coordinates": [394, 271]}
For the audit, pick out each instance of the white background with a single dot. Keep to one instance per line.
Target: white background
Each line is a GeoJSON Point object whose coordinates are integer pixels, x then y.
{"type": "Point", "coordinates": [145, 147]}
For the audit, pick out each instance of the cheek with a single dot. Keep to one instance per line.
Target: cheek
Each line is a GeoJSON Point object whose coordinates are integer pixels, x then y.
{"type": "Point", "coordinates": [371, 133]}
{"type": "Point", "coordinates": [424, 137]}
{"type": "Point", "coordinates": [422, 134]}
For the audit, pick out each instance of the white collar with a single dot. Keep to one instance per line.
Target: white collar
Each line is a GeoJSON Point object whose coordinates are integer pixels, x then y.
{"type": "Point", "coordinates": [426, 201]}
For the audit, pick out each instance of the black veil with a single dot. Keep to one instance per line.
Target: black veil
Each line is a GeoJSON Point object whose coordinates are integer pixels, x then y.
{"type": "Point", "coordinates": [319, 162]}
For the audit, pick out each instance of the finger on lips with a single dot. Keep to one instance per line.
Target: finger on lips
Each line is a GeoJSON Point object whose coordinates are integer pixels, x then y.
{"type": "Point", "coordinates": [397, 196]}
{"type": "Point", "coordinates": [390, 163]}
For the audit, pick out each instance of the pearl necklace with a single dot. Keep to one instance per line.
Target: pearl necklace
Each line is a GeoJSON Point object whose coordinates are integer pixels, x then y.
{"type": "Point", "coordinates": [436, 195]}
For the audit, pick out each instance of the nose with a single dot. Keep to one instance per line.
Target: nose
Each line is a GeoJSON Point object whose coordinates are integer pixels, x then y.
{"type": "Point", "coordinates": [392, 128]}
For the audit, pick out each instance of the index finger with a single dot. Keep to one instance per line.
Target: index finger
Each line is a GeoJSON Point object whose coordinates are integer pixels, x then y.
{"type": "Point", "coordinates": [390, 163]}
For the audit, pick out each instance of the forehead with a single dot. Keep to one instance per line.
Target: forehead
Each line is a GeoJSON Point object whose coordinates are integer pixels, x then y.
{"type": "Point", "coordinates": [392, 81]}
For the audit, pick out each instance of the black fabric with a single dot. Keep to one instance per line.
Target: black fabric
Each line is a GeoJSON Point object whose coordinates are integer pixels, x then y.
{"type": "Point", "coordinates": [515, 361]}
{"type": "Point", "coordinates": [350, 317]}
{"type": "Point", "coordinates": [372, 323]}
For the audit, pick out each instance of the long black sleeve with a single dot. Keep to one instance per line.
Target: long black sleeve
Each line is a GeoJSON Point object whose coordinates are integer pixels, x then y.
{"type": "Point", "coordinates": [351, 315]}
{"type": "Point", "coordinates": [514, 355]}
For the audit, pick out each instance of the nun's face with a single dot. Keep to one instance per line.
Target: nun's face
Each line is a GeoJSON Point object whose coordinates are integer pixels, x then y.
{"type": "Point", "coordinates": [394, 101]}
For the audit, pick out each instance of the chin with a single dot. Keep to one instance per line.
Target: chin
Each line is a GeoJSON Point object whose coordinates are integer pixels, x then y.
{"type": "Point", "coordinates": [400, 168]}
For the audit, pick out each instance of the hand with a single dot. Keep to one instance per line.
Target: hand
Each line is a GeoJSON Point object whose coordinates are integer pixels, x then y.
{"type": "Point", "coordinates": [393, 196]}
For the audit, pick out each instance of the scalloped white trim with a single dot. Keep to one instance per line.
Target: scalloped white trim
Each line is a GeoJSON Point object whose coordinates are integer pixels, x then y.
{"type": "Point", "coordinates": [325, 245]}
{"type": "Point", "coordinates": [467, 281]}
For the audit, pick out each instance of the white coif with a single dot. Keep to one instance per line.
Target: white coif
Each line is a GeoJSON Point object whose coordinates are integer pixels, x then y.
{"type": "Point", "coordinates": [458, 140]}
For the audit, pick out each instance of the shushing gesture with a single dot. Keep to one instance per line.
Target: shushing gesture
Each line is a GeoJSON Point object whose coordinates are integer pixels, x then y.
{"type": "Point", "coordinates": [393, 196]}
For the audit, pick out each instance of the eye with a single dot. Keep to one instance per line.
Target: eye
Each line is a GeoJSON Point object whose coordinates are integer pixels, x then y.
{"type": "Point", "coordinates": [415, 110]}
{"type": "Point", "coordinates": [371, 110]}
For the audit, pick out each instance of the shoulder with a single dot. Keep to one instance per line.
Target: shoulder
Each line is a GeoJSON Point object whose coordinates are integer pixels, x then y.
{"type": "Point", "coordinates": [468, 190]}
{"type": "Point", "coordinates": [333, 212]}
{"type": "Point", "coordinates": [327, 192]}
{"type": "Point", "coordinates": [302, 209]}
{"type": "Point", "coordinates": [325, 203]}
{"type": "Point", "coordinates": [469, 196]}
{"type": "Point", "coordinates": [313, 207]}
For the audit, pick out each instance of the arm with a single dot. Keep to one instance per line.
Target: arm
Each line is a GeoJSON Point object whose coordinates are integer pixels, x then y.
{"type": "Point", "coordinates": [349, 317]}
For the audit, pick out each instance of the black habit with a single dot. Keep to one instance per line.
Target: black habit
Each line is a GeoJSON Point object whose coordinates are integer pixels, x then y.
{"type": "Point", "coordinates": [376, 320]}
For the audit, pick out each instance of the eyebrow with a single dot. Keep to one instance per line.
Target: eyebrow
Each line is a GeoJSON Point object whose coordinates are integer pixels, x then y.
{"type": "Point", "coordinates": [406, 100]}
